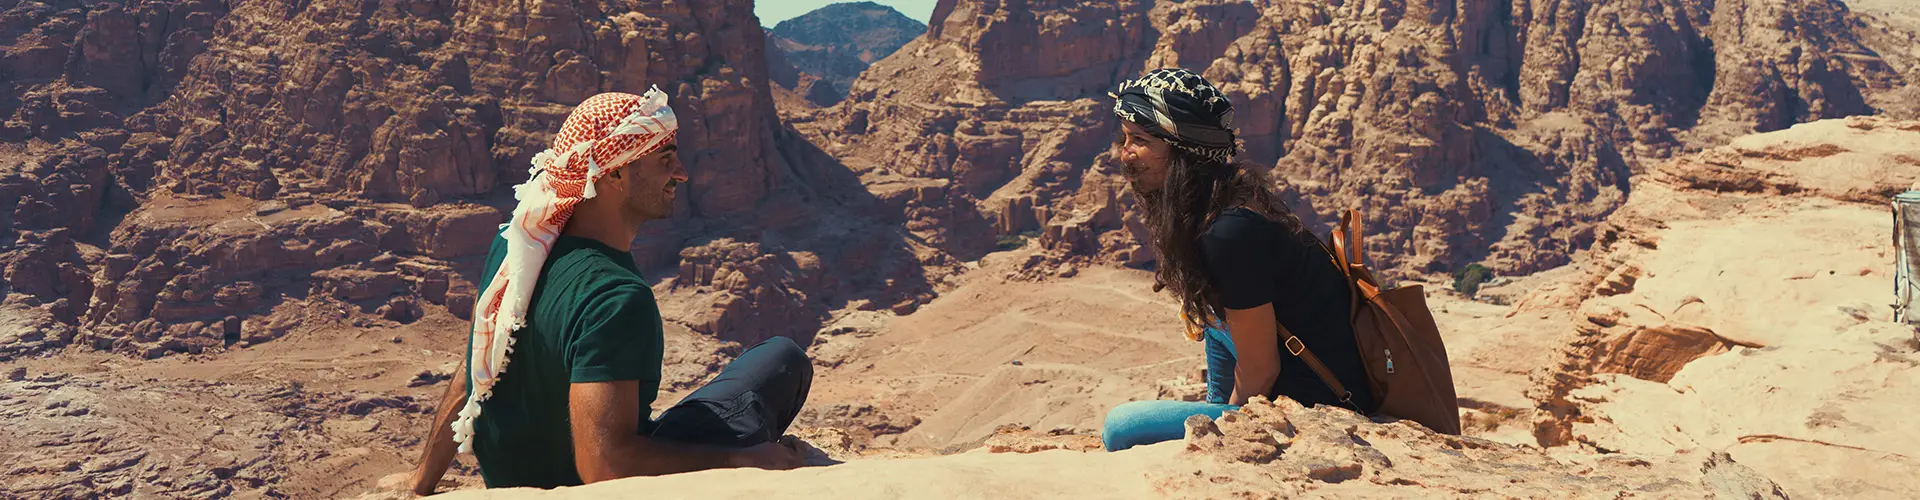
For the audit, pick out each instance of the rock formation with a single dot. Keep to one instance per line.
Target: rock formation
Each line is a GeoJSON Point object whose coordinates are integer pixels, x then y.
{"type": "Point", "coordinates": [91, 441]}
{"type": "Point", "coordinates": [289, 199]}
{"type": "Point", "coordinates": [1469, 132]}
{"type": "Point", "coordinates": [174, 170]}
{"type": "Point", "coordinates": [837, 42]}
{"type": "Point", "coordinates": [1750, 279]}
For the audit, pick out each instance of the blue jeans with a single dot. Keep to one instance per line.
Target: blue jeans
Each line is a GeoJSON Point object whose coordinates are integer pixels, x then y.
{"type": "Point", "coordinates": [1147, 422]}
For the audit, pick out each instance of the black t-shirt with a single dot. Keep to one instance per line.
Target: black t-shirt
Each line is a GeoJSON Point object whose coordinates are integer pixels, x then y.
{"type": "Point", "coordinates": [1252, 261]}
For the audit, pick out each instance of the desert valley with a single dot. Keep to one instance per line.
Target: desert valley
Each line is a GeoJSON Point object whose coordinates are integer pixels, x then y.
{"type": "Point", "coordinates": [243, 238]}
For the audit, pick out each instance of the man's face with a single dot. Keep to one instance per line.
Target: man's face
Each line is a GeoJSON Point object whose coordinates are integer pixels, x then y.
{"type": "Point", "coordinates": [1143, 158]}
{"type": "Point", "coordinates": [651, 181]}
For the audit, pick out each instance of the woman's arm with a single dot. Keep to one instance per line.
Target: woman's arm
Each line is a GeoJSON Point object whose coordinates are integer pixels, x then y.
{"type": "Point", "coordinates": [1256, 349]}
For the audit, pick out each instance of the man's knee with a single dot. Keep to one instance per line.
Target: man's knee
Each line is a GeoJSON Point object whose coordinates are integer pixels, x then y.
{"type": "Point", "coordinates": [782, 349]}
{"type": "Point", "coordinates": [785, 352]}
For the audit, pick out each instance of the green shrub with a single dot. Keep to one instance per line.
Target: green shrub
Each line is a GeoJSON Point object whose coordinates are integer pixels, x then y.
{"type": "Point", "coordinates": [1467, 280]}
{"type": "Point", "coordinates": [1015, 241]}
{"type": "Point", "coordinates": [1010, 242]}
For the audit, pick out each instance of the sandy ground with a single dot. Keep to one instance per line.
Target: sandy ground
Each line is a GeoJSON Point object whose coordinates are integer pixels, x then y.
{"type": "Point", "coordinates": [1901, 13]}
{"type": "Point", "coordinates": [996, 351]}
{"type": "Point", "coordinates": [1047, 474]}
{"type": "Point", "coordinates": [1817, 402]}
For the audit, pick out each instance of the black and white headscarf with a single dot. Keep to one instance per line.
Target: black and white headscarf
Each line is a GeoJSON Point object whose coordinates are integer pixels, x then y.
{"type": "Point", "coordinates": [1181, 107]}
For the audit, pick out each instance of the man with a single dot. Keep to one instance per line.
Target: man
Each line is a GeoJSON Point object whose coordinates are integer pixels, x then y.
{"type": "Point", "coordinates": [1243, 266]}
{"type": "Point", "coordinates": [565, 307]}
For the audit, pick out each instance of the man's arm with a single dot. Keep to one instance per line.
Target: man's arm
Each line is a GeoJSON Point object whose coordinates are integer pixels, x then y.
{"type": "Point", "coordinates": [1256, 346]}
{"type": "Point", "coordinates": [436, 453]}
{"type": "Point", "coordinates": [607, 445]}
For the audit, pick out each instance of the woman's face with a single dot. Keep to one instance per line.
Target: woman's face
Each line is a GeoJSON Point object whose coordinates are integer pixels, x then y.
{"type": "Point", "coordinates": [1143, 157]}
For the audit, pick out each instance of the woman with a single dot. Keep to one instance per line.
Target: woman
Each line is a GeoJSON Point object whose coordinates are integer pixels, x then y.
{"type": "Point", "coordinates": [1235, 257]}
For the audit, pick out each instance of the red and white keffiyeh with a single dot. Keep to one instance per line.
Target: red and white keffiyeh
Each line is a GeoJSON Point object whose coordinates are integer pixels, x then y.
{"type": "Point", "coordinates": [604, 132]}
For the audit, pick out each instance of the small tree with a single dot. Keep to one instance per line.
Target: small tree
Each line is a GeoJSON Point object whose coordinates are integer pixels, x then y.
{"type": "Point", "coordinates": [1015, 241]}
{"type": "Point", "coordinates": [1467, 280]}
{"type": "Point", "coordinates": [1009, 242]}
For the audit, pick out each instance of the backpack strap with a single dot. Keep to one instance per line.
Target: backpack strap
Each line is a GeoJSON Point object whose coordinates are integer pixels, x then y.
{"type": "Point", "coordinates": [1338, 240]}
{"type": "Point", "coordinates": [1343, 249]}
{"type": "Point", "coordinates": [1299, 350]}
{"type": "Point", "coordinates": [1293, 343]}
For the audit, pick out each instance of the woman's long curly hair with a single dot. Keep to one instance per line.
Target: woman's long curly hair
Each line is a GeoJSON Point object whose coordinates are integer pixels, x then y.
{"type": "Point", "coordinates": [1197, 191]}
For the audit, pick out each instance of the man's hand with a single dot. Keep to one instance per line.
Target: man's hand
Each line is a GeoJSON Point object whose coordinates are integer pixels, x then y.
{"type": "Point", "coordinates": [769, 456]}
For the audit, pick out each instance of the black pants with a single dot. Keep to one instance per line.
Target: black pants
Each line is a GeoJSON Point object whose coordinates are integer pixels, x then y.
{"type": "Point", "coordinates": [753, 400]}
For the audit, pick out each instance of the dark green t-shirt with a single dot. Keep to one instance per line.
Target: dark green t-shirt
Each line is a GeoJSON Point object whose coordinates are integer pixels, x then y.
{"type": "Point", "coordinates": [592, 319]}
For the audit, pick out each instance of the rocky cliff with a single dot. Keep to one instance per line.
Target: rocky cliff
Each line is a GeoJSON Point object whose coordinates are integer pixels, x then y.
{"type": "Point", "coordinates": [837, 42]}
{"type": "Point", "coordinates": [179, 169]}
{"type": "Point", "coordinates": [1738, 303]}
{"type": "Point", "coordinates": [1468, 132]}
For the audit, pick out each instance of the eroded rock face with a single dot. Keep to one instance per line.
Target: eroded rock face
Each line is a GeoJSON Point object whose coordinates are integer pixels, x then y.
{"type": "Point", "coordinates": [185, 276]}
{"type": "Point", "coordinates": [837, 42]}
{"type": "Point", "coordinates": [1862, 159]}
{"type": "Point", "coordinates": [1459, 145]}
{"type": "Point", "coordinates": [860, 423]}
{"type": "Point", "coordinates": [92, 443]}
{"type": "Point", "coordinates": [972, 111]}
{"type": "Point", "coordinates": [184, 145]}
{"type": "Point", "coordinates": [1738, 278]}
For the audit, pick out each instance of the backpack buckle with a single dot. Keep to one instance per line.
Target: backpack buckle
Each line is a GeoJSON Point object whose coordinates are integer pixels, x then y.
{"type": "Point", "coordinates": [1295, 346]}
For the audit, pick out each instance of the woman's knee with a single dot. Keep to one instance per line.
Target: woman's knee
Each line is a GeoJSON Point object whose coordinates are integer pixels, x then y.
{"type": "Point", "coordinates": [1133, 424]}
{"type": "Point", "coordinates": [1128, 415]}
{"type": "Point", "coordinates": [1220, 334]}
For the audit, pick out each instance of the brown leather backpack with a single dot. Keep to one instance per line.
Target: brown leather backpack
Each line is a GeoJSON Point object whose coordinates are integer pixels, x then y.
{"type": "Point", "coordinates": [1399, 343]}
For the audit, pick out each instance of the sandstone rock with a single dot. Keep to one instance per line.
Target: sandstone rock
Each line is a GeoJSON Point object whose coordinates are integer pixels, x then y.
{"type": "Point", "coordinates": [365, 404]}
{"type": "Point", "coordinates": [1022, 439]}
{"type": "Point", "coordinates": [691, 360]}
{"type": "Point", "coordinates": [1822, 69]}
{"type": "Point", "coordinates": [1322, 451]}
{"type": "Point", "coordinates": [839, 41]}
{"type": "Point", "coordinates": [1695, 287]}
{"type": "Point", "coordinates": [744, 280]}
{"type": "Point", "coordinates": [405, 122]}
{"type": "Point", "coordinates": [1282, 447]}
{"type": "Point", "coordinates": [1193, 34]}
{"type": "Point", "coordinates": [1460, 146]}
{"type": "Point", "coordinates": [841, 340]}
{"type": "Point", "coordinates": [427, 377]}
{"type": "Point", "coordinates": [860, 422]}
{"type": "Point", "coordinates": [1186, 388]}
{"type": "Point", "coordinates": [101, 441]}
{"type": "Point", "coordinates": [1856, 159]}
